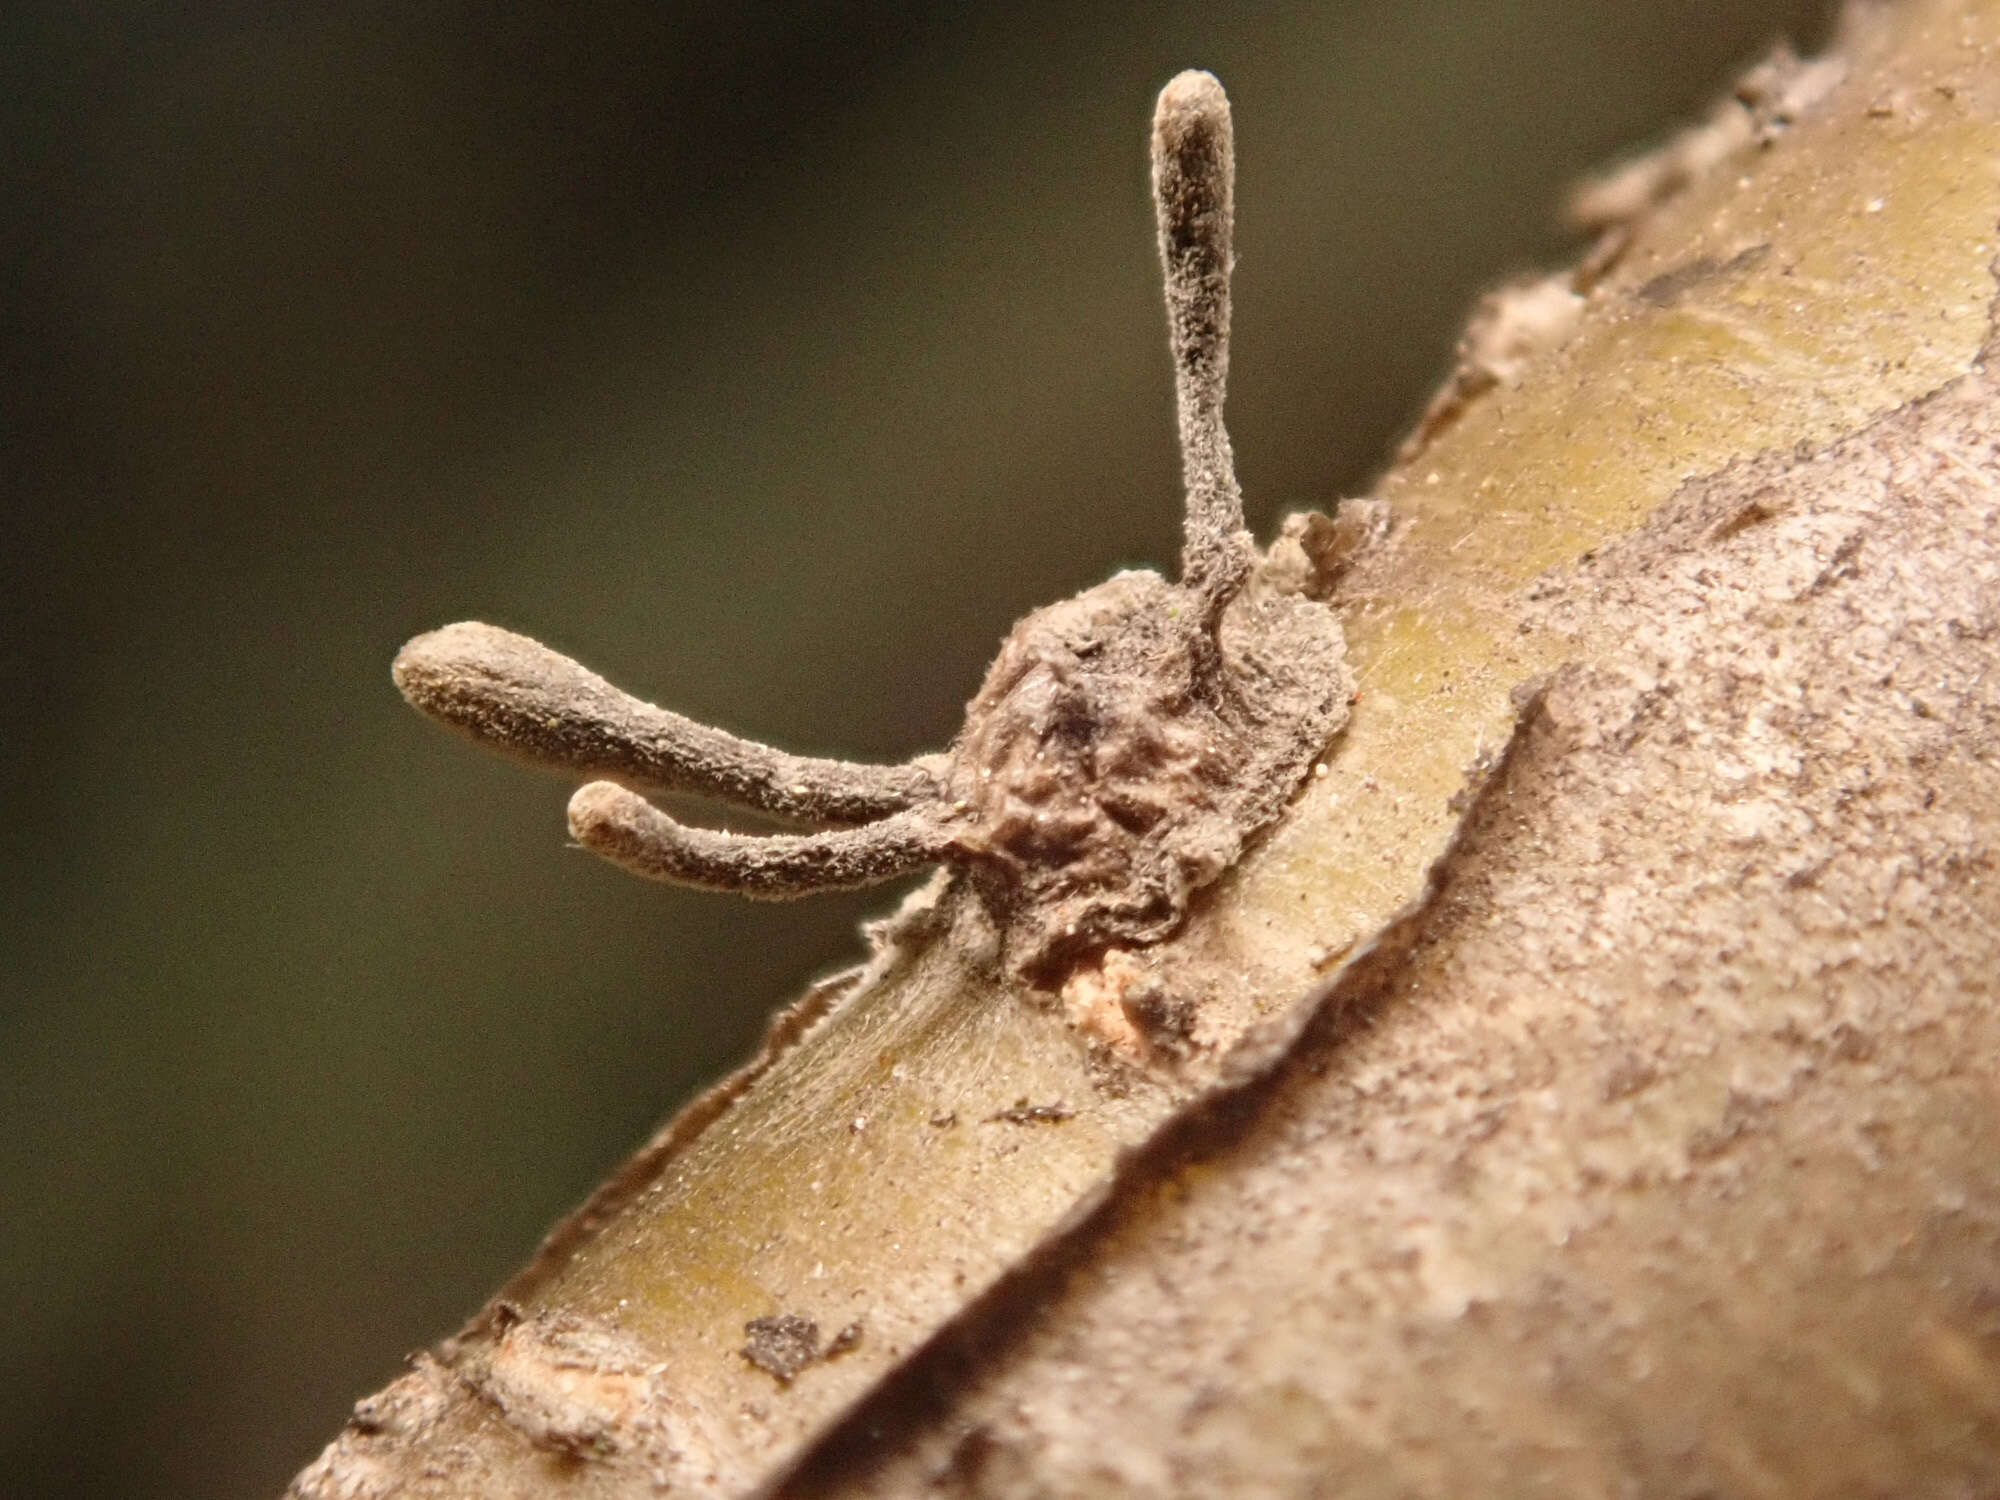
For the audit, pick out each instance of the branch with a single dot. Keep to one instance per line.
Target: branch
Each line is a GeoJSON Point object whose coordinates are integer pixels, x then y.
{"type": "Point", "coordinates": [1588, 1086]}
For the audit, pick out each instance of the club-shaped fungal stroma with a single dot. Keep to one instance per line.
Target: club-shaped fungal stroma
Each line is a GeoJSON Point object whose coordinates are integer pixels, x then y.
{"type": "Point", "coordinates": [1125, 745]}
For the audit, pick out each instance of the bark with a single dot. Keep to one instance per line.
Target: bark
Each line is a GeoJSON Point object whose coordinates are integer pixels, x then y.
{"type": "Point", "coordinates": [1591, 1085]}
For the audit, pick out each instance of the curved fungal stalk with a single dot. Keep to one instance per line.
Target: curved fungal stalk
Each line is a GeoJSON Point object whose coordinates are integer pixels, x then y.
{"type": "Point", "coordinates": [516, 695]}
{"type": "Point", "coordinates": [632, 833]}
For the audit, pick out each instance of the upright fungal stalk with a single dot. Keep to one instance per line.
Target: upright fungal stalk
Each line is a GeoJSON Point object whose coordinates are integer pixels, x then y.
{"type": "Point", "coordinates": [1194, 198]}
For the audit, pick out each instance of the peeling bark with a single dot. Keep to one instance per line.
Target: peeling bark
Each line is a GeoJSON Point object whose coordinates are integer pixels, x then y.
{"type": "Point", "coordinates": [1658, 1150]}
{"type": "Point", "coordinates": [1589, 1088]}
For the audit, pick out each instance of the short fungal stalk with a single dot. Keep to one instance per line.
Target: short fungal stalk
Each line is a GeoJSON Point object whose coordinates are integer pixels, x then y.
{"type": "Point", "coordinates": [1124, 746]}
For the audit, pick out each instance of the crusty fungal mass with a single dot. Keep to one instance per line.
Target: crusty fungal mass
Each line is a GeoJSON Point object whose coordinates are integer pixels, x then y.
{"type": "Point", "coordinates": [1125, 744]}
{"type": "Point", "coordinates": [1104, 778]}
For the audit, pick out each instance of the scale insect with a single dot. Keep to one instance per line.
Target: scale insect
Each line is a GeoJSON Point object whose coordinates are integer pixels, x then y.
{"type": "Point", "coordinates": [1124, 747]}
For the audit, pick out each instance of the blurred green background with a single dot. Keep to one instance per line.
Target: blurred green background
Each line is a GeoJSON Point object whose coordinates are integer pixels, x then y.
{"type": "Point", "coordinates": [771, 360]}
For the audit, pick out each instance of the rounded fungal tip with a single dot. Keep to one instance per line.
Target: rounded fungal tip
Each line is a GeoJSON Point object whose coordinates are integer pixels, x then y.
{"type": "Point", "coordinates": [1193, 92]}
{"type": "Point", "coordinates": [427, 661]}
{"type": "Point", "coordinates": [441, 647]}
{"type": "Point", "coordinates": [598, 808]}
{"type": "Point", "coordinates": [448, 662]}
{"type": "Point", "coordinates": [416, 665]}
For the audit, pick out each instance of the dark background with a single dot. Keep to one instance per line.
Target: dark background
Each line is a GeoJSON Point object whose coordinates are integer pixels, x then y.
{"type": "Point", "coordinates": [770, 359]}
